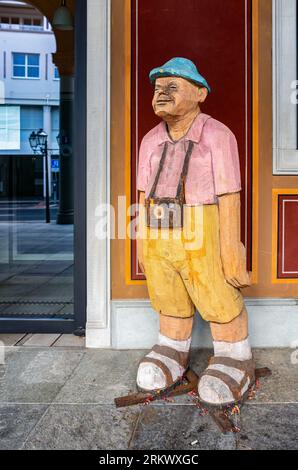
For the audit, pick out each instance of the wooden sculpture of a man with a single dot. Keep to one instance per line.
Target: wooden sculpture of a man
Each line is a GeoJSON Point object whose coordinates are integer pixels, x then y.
{"type": "Point", "coordinates": [190, 151]}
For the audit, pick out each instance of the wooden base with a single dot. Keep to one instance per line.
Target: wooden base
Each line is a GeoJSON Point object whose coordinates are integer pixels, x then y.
{"type": "Point", "coordinates": [189, 383]}
{"type": "Point", "coordinates": [220, 414]}
{"type": "Point", "coordinates": [186, 385]}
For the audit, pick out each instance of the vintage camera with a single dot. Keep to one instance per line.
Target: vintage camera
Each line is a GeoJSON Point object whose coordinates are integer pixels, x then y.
{"type": "Point", "coordinates": [164, 213]}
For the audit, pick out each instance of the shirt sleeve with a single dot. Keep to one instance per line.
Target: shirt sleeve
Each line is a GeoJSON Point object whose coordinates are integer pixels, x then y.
{"type": "Point", "coordinates": [143, 167]}
{"type": "Point", "coordinates": [225, 163]}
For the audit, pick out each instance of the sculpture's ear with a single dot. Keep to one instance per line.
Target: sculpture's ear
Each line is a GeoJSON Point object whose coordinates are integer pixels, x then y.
{"type": "Point", "coordinates": [203, 93]}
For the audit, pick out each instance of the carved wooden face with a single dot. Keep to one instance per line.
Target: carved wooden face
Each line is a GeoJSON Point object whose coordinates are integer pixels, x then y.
{"type": "Point", "coordinates": [175, 96]}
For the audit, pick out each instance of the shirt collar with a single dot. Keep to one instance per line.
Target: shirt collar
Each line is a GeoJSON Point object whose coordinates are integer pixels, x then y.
{"type": "Point", "coordinates": [194, 133]}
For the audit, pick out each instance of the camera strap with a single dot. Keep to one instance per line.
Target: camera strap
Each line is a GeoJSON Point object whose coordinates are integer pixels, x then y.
{"type": "Point", "coordinates": [184, 171]}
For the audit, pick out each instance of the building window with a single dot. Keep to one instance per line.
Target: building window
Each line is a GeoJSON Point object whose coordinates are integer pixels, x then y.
{"type": "Point", "coordinates": [32, 24]}
{"type": "Point", "coordinates": [15, 21]}
{"type": "Point", "coordinates": [285, 87]}
{"type": "Point", "coordinates": [12, 22]}
{"type": "Point", "coordinates": [10, 125]}
{"type": "Point", "coordinates": [25, 65]}
{"type": "Point", "coordinates": [22, 23]}
{"type": "Point", "coordinates": [36, 22]}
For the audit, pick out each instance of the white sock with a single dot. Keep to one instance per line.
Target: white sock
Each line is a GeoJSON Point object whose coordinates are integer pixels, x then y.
{"type": "Point", "coordinates": [150, 376]}
{"type": "Point", "coordinates": [212, 389]}
{"type": "Point", "coordinates": [240, 350]}
{"type": "Point", "coordinates": [182, 346]}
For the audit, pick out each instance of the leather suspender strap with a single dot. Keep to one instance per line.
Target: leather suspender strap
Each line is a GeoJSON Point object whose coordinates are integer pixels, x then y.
{"type": "Point", "coordinates": [183, 173]}
{"type": "Point", "coordinates": [161, 164]}
{"type": "Point", "coordinates": [185, 169]}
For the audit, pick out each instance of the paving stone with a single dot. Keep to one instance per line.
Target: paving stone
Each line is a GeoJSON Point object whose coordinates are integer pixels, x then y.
{"type": "Point", "coordinates": [16, 422]}
{"type": "Point", "coordinates": [48, 267]}
{"type": "Point", "coordinates": [282, 386]}
{"type": "Point", "coordinates": [272, 427]}
{"type": "Point", "coordinates": [11, 339]}
{"type": "Point", "coordinates": [25, 280]}
{"type": "Point", "coordinates": [33, 375]}
{"type": "Point", "coordinates": [31, 309]}
{"type": "Point", "coordinates": [41, 340]}
{"type": "Point", "coordinates": [83, 427]}
{"type": "Point", "coordinates": [11, 292]}
{"type": "Point", "coordinates": [80, 386]}
{"type": "Point", "coordinates": [24, 339]}
{"type": "Point", "coordinates": [177, 427]}
{"type": "Point", "coordinates": [101, 376]}
{"type": "Point", "coordinates": [70, 341]}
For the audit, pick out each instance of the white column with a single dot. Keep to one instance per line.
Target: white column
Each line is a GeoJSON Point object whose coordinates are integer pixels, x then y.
{"type": "Point", "coordinates": [98, 328]}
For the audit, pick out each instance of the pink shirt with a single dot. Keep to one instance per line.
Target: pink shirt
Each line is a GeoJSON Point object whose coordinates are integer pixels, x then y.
{"type": "Point", "coordinates": [214, 167]}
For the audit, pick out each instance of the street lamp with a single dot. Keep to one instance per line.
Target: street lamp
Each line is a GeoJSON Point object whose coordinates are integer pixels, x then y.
{"type": "Point", "coordinates": [33, 141]}
{"type": "Point", "coordinates": [63, 19]}
{"type": "Point", "coordinates": [42, 138]}
{"type": "Point", "coordinates": [39, 144]}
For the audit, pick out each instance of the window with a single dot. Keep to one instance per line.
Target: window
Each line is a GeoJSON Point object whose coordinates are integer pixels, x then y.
{"type": "Point", "coordinates": [10, 128]}
{"type": "Point", "coordinates": [285, 86]}
{"type": "Point", "coordinates": [12, 22]}
{"type": "Point", "coordinates": [36, 22]}
{"type": "Point", "coordinates": [22, 23]}
{"type": "Point", "coordinates": [25, 65]}
{"type": "Point", "coordinates": [32, 24]}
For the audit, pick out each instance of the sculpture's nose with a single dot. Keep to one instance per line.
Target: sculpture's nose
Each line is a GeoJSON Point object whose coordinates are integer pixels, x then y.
{"type": "Point", "coordinates": [163, 95]}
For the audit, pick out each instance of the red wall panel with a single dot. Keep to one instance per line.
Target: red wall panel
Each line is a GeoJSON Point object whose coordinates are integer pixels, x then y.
{"type": "Point", "coordinates": [287, 267]}
{"type": "Point", "coordinates": [216, 35]}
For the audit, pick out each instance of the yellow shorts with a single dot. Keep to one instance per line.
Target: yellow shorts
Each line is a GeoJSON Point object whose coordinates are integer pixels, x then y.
{"type": "Point", "coordinates": [184, 270]}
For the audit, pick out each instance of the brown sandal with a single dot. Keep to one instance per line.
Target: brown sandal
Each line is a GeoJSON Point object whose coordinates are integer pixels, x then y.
{"type": "Point", "coordinates": [247, 367]}
{"type": "Point", "coordinates": [182, 358]}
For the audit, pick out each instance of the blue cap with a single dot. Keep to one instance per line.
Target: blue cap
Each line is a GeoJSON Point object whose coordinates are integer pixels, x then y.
{"type": "Point", "coordinates": [179, 67]}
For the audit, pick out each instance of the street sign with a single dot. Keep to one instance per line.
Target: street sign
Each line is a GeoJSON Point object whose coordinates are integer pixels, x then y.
{"type": "Point", "coordinates": [55, 165]}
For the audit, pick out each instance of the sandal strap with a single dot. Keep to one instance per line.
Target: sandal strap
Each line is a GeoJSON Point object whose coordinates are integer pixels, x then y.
{"type": "Point", "coordinates": [162, 366]}
{"type": "Point", "coordinates": [248, 367]}
{"type": "Point", "coordinates": [181, 357]}
{"type": "Point", "coordinates": [233, 385]}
